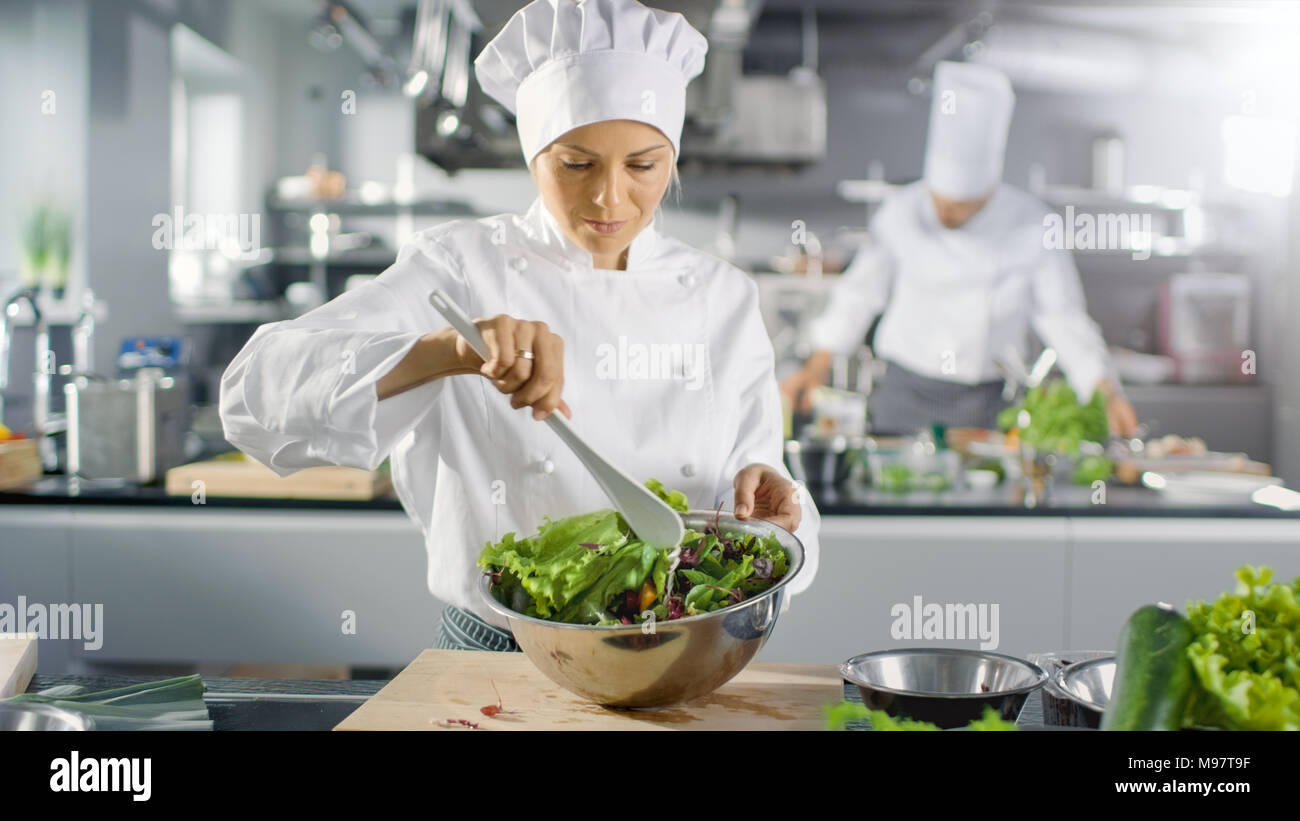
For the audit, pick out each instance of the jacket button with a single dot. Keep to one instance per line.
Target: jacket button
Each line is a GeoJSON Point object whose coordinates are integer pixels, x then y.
{"type": "Point", "coordinates": [519, 263]}
{"type": "Point", "coordinates": [548, 466]}
{"type": "Point", "coordinates": [688, 280]}
{"type": "Point", "coordinates": [688, 469]}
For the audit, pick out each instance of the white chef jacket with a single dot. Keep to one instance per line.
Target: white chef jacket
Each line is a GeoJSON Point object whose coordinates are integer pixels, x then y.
{"type": "Point", "coordinates": [668, 371]}
{"type": "Point", "coordinates": [959, 298]}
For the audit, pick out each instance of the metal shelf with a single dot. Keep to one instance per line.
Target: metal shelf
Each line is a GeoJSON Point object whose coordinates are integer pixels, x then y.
{"type": "Point", "coordinates": [61, 312]}
{"type": "Point", "coordinates": [243, 311]}
{"type": "Point", "coordinates": [351, 205]}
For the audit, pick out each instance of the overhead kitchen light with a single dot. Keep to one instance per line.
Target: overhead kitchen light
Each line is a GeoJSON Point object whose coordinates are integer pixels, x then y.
{"type": "Point", "coordinates": [1258, 154]}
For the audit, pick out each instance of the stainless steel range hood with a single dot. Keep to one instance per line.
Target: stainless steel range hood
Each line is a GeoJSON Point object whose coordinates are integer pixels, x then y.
{"type": "Point", "coordinates": [732, 119]}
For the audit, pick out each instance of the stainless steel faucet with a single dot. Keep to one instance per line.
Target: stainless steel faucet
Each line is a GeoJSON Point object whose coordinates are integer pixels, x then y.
{"type": "Point", "coordinates": [83, 338]}
{"type": "Point", "coordinates": [46, 424]}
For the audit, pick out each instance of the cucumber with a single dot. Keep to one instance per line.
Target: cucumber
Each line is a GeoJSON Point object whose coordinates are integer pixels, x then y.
{"type": "Point", "coordinates": [1153, 677]}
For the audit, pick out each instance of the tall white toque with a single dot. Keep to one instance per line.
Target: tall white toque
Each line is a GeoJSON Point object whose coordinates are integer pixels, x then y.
{"type": "Point", "coordinates": [970, 114]}
{"type": "Point", "coordinates": [561, 64]}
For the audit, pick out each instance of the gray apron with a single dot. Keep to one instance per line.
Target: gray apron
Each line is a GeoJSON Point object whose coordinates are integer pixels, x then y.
{"type": "Point", "coordinates": [903, 402]}
{"type": "Point", "coordinates": [462, 630]}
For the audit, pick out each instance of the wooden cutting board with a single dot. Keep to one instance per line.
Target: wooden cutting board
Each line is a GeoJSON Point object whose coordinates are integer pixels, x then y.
{"type": "Point", "coordinates": [248, 478]}
{"type": "Point", "coordinates": [1129, 471]}
{"type": "Point", "coordinates": [17, 663]}
{"type": "Point", "coordinates": [453, 684]}
{"type": "Point", "coordinates": [20, 463]}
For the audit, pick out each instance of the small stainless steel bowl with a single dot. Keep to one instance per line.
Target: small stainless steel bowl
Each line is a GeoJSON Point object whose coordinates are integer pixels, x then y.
{"type": "Point", "coordinates": [678, 660]}
{"type": "Point", "coordinates": [20, 716]}
{"type": "Point", "coordinates": [1086, 689]}
{"type": "Point", "coordinates": [947, 687]}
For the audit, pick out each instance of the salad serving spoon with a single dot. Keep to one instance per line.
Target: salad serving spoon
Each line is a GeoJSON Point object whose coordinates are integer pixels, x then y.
{"type": "Point", "coordinates": [650, 517]}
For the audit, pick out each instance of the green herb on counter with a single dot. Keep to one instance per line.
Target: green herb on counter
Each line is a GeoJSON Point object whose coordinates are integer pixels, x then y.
{"type": "Point", "coordinates": [896, 478]}
{"type": "Point", "coordinates": [1092, 468]}
{"type": "Point", "coordinates": [847, 712]}
{"type": "Point", "coordinates": [170, 704]}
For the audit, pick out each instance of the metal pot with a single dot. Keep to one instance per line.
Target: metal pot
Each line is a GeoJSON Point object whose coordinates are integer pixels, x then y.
{"type": "Point", "coordinates": [830, 462]}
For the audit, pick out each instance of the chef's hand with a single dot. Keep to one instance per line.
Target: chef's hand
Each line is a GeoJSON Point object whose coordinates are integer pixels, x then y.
{"type": "Point", "coordinates": [1120, 413]}
{"type": "Point", "coordinates": [798, 387]}
{"type": "Point", "coordinates": [763, 493]}
{"type": "Point", "coordinates": [535, 382]}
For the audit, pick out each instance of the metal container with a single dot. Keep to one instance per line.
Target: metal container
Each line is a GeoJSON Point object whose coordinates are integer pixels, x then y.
{"type": "Point", "coordinates": [1086, 689]}
{"type": "Point", "coordinates": [830, 462]}
{"type": "Point", "coordinates": [21, 716]}
{"type": "Point", "coordinates": [1058, 709]}
{"type": "Point", "coordinates": [126, 429]}
{"type": "Point", "coordinates": [947, 687]}
{"type": "Point", "coordinates": [653, 664]}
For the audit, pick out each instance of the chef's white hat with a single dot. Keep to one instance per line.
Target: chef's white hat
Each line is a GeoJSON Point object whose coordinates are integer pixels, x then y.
{"type": "Point", "coordinates": [561, 64]}
{"type": "Point", "coordinates": [970, 113]}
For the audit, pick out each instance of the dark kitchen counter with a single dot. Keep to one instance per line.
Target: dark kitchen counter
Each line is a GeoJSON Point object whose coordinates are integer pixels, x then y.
{"type": "Point", "coordinates": [1063, 500]}
{"type": "Point", "coordinates": [1003, 500]}
{"type": "Point", "coordinates": [62, 490]}
{"type": "Point", "coordinates": [285, 704]}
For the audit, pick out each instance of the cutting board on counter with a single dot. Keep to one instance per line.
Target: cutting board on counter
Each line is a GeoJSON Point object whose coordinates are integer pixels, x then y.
{"type": "Point", "coordinates": [453, 684]}
{"type": "Point", "coordinates": [20, 463]}
{"type": "Point", "coordinates": [1130, 470]}
{"type": "Point", "coordinates": [17, 662]}
{"type": "Point", "coordinates": [248, 478]}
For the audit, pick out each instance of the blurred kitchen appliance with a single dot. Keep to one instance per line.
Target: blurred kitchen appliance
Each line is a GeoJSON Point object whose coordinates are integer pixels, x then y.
{"type": "Point", "coordinates": [130, 428]}
{"type": "Point", "coordinates": [732, 118]}
{"type": "Point", "coordinates": [1205, 326]}
{"type": "Point", "coordinates": [45, 423]}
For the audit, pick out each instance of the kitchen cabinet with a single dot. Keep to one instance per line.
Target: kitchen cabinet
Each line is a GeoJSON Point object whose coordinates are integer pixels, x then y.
{"type": "Point", "coordinates": [1118, 564]}
{"type": "Point", "coordinates": [222, 585]}
{"type": "Point", "coordinates": [871, 565]}
{"type": "Point", "coordinates": [36, 564]}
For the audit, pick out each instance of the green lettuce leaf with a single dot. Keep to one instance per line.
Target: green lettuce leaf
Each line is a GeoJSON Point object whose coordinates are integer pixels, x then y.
{"type": "Point", "coordinates": [1246, 655]}
{"type": "Point", "coordinates": [675, 498]}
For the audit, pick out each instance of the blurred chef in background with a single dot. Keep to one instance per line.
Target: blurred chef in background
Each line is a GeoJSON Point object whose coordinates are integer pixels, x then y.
{"type": "Point", "coordinates": [958, 265]}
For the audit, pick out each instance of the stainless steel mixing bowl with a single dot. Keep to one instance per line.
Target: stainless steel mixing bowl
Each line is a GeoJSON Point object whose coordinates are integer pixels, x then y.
{"type": "Point", "coordinates": [1087, 687]}
{"type": "Point", "coordinates": [21, 716]}
{"type": "Point", "coordinates": [670, 661]}
{"type": "Point", "coordinates": [947, 687]}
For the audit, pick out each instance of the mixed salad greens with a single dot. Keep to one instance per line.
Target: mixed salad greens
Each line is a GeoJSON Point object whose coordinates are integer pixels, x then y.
{"type": "Point", "coordinates": [592, 569]}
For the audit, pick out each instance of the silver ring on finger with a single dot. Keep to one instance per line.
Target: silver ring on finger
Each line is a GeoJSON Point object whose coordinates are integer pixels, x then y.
{"type": "Point", "coordinates": [524, 354]}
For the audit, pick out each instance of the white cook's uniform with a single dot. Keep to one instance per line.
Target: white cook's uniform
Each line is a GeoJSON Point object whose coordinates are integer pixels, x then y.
{"type": "Point", "coordinates": [668, 371]}
{"type": "Point", "coordinates": [954, 300]}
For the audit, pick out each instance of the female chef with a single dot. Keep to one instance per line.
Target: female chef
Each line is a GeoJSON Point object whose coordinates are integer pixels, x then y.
{"type": "Point", "coordinates": [655, 351]}
{"type": "Point", "coordinates": [961, 272]}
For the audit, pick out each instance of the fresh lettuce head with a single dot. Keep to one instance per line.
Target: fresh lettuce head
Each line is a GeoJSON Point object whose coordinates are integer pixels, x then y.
{"type": "Point", "coordinates": [1246, 655]}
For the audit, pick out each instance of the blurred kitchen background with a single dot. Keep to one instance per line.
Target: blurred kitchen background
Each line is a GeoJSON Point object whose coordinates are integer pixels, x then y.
{"type": "Point", "coordinates": [311, 138]}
